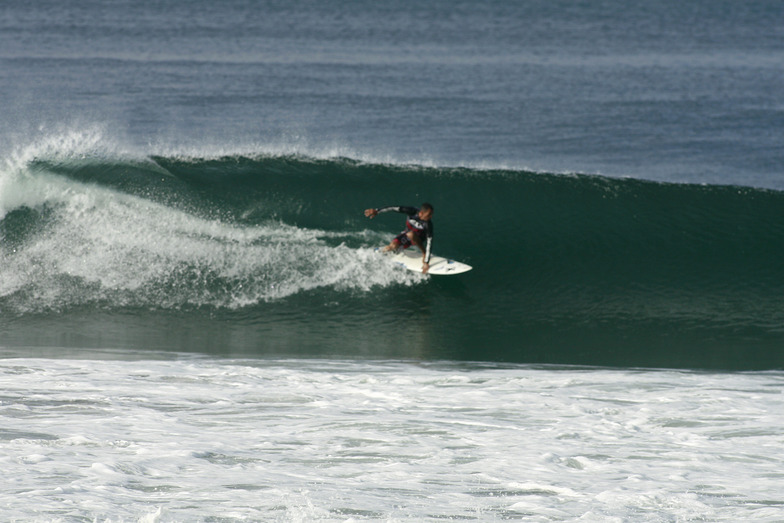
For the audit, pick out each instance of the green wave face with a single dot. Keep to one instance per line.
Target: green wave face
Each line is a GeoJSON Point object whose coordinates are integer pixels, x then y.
{"type": "Point", "coordinates": [569, 269]}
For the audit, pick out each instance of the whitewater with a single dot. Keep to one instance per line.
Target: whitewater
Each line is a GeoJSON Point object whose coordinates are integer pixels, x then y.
{"type": "Point", "coordinates": [175, 437]}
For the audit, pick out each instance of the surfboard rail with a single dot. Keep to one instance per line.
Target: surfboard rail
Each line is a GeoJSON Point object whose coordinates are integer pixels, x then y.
{"type": "Point", "coordinates": [411, 259]}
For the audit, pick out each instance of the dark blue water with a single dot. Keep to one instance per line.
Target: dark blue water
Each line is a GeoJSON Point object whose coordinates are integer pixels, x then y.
{"type": "Point", "coordinates": [657, 91]}
{"type": "Point", "coordinates": [165, 167]}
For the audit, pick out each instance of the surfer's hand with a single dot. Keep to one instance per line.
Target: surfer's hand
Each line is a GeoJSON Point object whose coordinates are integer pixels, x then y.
{"type": "Point", "coordinates": [371, 213]}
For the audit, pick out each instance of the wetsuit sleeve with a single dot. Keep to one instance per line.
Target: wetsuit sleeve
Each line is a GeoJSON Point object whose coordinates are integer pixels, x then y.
{"type": "Point", "coordinates": [400, 209]}
{"type": "Point", "coordinates": [429, 241]}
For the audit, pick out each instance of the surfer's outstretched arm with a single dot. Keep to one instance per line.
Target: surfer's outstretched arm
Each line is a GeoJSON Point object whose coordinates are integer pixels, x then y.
{"type": "Point", "coordinates": [372, 213]}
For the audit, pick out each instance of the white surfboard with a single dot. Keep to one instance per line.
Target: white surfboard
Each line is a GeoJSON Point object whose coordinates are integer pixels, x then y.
{"type": "Point", "coordinates": [411, 259]}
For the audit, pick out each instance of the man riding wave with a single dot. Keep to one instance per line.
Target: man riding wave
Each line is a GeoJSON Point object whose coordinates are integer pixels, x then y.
{"type": "Point", "coordinates": [419, 230]}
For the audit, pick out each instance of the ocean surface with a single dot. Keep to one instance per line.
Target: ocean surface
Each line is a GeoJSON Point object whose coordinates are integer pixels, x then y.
{"type": "Point", "coordinates": [194, 325]}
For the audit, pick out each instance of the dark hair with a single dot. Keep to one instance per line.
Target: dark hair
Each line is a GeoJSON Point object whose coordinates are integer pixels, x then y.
{"type": "Point", "coordinates": [426, 207]}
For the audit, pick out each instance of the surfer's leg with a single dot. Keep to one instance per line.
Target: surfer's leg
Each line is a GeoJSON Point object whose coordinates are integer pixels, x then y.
{"type": "Point", "coordinates": [392, 246]}
{"type": "Point", "coordinates": [415, 239]}
{"type": "Point", "coordinates": [398, 241]}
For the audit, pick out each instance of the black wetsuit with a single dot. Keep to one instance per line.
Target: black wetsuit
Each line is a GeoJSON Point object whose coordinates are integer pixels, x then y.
{"type": "Point", "coordinates": [422, 228]}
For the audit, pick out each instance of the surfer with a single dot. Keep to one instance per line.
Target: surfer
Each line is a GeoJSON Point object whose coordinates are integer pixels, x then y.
{"type": "Point", "coordinates": [419, 230]}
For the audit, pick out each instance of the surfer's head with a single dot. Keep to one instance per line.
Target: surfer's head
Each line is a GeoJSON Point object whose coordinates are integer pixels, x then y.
{"type": "Point", "coordinates": [425, 211]}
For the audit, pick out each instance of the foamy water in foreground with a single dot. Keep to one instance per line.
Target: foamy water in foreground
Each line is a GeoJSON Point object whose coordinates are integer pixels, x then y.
{"type": "Point", "coordinates": [182, 438]}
